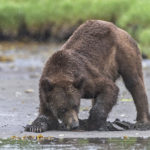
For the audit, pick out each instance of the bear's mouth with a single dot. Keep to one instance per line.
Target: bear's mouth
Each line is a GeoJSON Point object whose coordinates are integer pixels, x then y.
{"type": "Point", "coordinates": [65, 127]}
{"type": "Point", "coordinates": [69, 120]}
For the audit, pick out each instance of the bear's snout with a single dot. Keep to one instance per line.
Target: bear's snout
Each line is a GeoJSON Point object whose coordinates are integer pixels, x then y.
{"type": "Point", "coordinates": [75, 124]}
{"type": "Point", "coordinates": [71, 120]}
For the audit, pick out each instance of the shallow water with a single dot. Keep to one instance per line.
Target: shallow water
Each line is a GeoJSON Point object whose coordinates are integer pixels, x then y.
{"type": "Point", "coordinates": [81, 144]}
{"type": "Point", "coordinates": [31, 56]}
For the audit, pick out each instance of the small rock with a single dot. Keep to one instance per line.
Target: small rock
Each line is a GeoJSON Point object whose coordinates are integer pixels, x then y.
{"type": "Point", "coordinates": [84, 109]}
{"type": "Point", "coordinates": [34, 75]}
{"type": "Point", "coordinates": [18, 94]}
{"type": "Point", "coordinates": [61, 135]}
{"type": "Point", "coordinates": [31, 69]}
{"type": "Point", "coordinates": [125, 137]}
{"type": "Point", "coordinates": [6, 58]}
{"type": "Point", "coordinates": [122, 115]}
{"type": "Point", "coordinates": [12, 66]}
{"type": "Point", "coordinates": [38, 137]}
{"type": "Point", "coordinates": [29, 91]}
{"type": "Point", "coordinates": [126, 100]}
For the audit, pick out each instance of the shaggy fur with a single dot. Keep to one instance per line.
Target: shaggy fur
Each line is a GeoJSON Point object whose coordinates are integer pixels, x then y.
{"type": "Point", "coordinates": [87, 66]}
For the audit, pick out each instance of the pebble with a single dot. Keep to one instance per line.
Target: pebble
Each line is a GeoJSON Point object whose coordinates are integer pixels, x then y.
{"type": "Point", "coordinates": [18, 94]}
{"type": "Point", "coordinates": [29, 91]}
{"type": "Point", "coordinates": [61, 135]}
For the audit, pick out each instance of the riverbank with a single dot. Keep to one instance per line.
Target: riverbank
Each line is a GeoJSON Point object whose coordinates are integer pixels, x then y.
{"type": "Point", "coordinates": [46, 20]}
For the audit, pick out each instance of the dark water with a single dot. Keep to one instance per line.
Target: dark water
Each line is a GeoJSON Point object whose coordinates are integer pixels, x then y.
{"type": "Point", "coordinates": [80, 144]}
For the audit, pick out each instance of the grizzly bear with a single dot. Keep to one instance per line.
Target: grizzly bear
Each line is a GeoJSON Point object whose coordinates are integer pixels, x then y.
{"type": "Point", "coordinates": [87, 66]}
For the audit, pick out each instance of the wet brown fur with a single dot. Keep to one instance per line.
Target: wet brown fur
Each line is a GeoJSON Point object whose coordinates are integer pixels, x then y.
{"type": "Point", "coordinates": [87, 66]}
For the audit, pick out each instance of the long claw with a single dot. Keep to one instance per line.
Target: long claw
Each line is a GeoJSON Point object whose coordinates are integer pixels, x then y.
{"type": "Point", "coordinates": [37, 129]}
{"type": "Point", "coordinates": [29, 129]}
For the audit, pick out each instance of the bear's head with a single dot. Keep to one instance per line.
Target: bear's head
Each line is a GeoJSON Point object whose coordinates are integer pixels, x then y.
{"type": "Point", "coordinates": [62, 98]}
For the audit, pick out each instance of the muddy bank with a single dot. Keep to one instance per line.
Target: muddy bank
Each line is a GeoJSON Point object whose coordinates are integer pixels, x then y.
{"type": "Point", "coordinates": [48, 33]}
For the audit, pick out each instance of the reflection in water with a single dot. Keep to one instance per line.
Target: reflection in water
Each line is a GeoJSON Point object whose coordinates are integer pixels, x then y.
{"type": "Point", "coordinates": [83, 144]}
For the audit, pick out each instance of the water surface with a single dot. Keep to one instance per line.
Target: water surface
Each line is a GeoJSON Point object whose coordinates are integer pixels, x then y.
{"type": "Point", "coordinates": [80, 144]}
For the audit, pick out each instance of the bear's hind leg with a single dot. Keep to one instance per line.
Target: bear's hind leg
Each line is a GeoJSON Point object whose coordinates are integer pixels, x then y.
{"type": "Point", "coordinates": [130, 68]}
{"type": "Point", "coordinates": [135, 85]}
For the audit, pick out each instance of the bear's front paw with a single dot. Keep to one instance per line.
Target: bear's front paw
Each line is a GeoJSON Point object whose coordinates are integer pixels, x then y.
{"type": "Point", "coordinates": [42, 127]}
{"type": "Point", "coordinates": [41, 124]}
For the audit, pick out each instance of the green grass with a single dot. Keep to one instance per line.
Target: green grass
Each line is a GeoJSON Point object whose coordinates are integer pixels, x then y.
{"type": "Point", "coordinates": [137, 15]}
{"type": "Point", "coordinates": [39, 15]}
{"type": "Point", "coordinates": [40, 12]}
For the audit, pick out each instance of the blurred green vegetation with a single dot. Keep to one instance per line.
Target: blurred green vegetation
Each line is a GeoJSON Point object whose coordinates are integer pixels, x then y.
{"type": "Point", "coordinates": [41, 16]}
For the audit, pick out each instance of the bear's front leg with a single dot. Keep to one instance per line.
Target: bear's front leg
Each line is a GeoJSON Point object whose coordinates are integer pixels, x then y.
{"type": "Point", "coordinates": [103, 104]}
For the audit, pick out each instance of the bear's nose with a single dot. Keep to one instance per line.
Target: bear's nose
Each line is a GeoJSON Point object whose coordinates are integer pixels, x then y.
{"type": "Point", "coordinates": [75, 124]}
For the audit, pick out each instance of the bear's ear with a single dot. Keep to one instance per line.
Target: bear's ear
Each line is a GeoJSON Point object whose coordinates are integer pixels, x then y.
{"type": "Point", "coordinates": [47, 84]}
{"type": "Point", "coordinates": [78, 82]}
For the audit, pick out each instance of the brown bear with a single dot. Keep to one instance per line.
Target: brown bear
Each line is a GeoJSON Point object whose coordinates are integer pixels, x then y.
{"type": "Point", "coordinates": [87, 66]}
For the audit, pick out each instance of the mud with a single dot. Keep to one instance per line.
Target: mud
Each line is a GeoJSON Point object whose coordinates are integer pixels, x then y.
{"type": "Point", "coordinates": [19, 100]}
